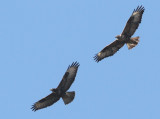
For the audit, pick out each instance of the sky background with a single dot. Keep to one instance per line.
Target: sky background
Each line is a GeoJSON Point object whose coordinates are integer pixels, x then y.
{"type": "Point", "coordinates": [39, 39]}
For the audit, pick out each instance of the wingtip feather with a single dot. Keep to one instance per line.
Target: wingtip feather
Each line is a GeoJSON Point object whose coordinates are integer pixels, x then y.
{"type": "Point", "coordinates": [139, 9]}
{"type": "Point", "coordinates": [96, 58]}
{"type": "Point", "coordinates": [74, 64]}
{"type": "Point", "coordinates": [34, 108]}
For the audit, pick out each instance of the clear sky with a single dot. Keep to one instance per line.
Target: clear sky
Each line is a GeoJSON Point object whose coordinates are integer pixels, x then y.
{"type": "Point", "coordinates": [39, 39]}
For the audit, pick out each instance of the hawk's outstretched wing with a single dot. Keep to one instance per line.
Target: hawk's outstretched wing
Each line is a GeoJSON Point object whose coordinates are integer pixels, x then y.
{"type": "Point", "coordinates": [109, 50]}
{"type": "Point", "coordinates": [63, 81]}
{"type": "Point", "coordinates": [69, 77]}
{"type": "Point", "coordinates": [134, 21]}
{"type": "Point", "coordinates": [45, 102]}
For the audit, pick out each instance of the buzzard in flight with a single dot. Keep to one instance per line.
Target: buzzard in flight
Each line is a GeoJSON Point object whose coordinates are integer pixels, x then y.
{"type": "Point", "coordinates": [61, 90]}
{"type": "Point", "coordinates": [124, 37]}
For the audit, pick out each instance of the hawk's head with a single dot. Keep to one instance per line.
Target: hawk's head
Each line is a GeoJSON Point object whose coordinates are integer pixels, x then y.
{"type": "Point", "coordinates": [53, 90]}
{"type": "Point", "coordinates": [118, 37]}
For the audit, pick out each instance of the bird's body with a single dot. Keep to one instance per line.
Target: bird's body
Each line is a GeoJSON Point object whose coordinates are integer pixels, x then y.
{"type": "Point", "coordinates": [58, 92]}
{"type": "Point", "coordinates": [61, 90]}
{"type": "Point", "coordinates": [125, 37]}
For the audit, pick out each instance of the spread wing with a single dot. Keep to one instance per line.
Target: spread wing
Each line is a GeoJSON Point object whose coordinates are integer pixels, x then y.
{"type": "Point", "coordinates": [134, 21]}
{"type": "Point", "coordinates": [109, 50]}
{"type": "Point", "coordinates": [45, 102]}
{"type": "Point", "coordinates": [63, 81]}
{"type": "Point", "coordinates": [69, 77]}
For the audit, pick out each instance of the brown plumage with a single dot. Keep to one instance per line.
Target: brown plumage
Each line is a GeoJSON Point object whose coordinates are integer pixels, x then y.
{"type": "Point", "coordinates": [60, 91]}
{"type": "Point", "coordinates": [125, 38]}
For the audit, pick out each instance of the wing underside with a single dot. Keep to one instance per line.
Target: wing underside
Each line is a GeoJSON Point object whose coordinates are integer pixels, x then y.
{"type": "Point", "coordinates": [69, 76]}
{"type": "Point", "coordinates": [45, 102]}
{"type": "Point", "coordinates": [72, 69]}
{"type": "Point", "coordinates": [134, 21]}
{"type": "Point", "coordinates": [109, 50]}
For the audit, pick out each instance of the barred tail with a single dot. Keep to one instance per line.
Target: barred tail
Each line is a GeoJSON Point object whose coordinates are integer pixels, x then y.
{"type": "Point", "coordinates": [133, 42]}
{"type": "Point", "coordinates": [68, 97]}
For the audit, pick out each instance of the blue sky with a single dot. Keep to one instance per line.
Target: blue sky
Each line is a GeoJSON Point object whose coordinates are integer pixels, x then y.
{"type": "Point", "coordinates": [39, 39]}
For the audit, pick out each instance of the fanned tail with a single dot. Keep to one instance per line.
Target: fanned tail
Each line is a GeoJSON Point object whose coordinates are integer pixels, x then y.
{"type": "Point", "coordinates": [133, 42]}
{"type": "Point", "coordinates": [68, 97]}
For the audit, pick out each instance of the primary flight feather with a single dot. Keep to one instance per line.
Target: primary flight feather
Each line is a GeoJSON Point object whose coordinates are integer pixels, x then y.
{"type": "Point", "coordinates": [60, 91]}
{"type": "Point", "coordinates": [125, 37]}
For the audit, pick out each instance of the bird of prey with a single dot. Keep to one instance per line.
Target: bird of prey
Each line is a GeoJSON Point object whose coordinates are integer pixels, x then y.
{"type": "Point", "coordinates": [125, 37]}
{"type": "Point", "coordinates": [61, 90]}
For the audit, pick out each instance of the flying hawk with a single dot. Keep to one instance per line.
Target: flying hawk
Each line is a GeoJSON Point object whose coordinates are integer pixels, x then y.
{"type": "Point", "coordinates": [60, 91]}
{"type": "Point", "coordinates": [125, 37]}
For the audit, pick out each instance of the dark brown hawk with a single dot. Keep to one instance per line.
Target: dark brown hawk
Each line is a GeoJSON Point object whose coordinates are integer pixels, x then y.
{"type": "Point", "coordinates": [125, 37]}
{"type": "Point", "coordinates": [60, 91]}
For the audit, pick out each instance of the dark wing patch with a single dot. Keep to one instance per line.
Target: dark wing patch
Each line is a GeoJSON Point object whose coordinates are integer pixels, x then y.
{"type": "Point", "coordinates": [72, 70]}
{"type": "Point", "coordinates": [109, 50]}
{"type": "Point", "coordinates": [134, 21]}
{"type": "Point", "coordinates": [63, 81]}
{"type": "Point", "coordinates": [45, 102]}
